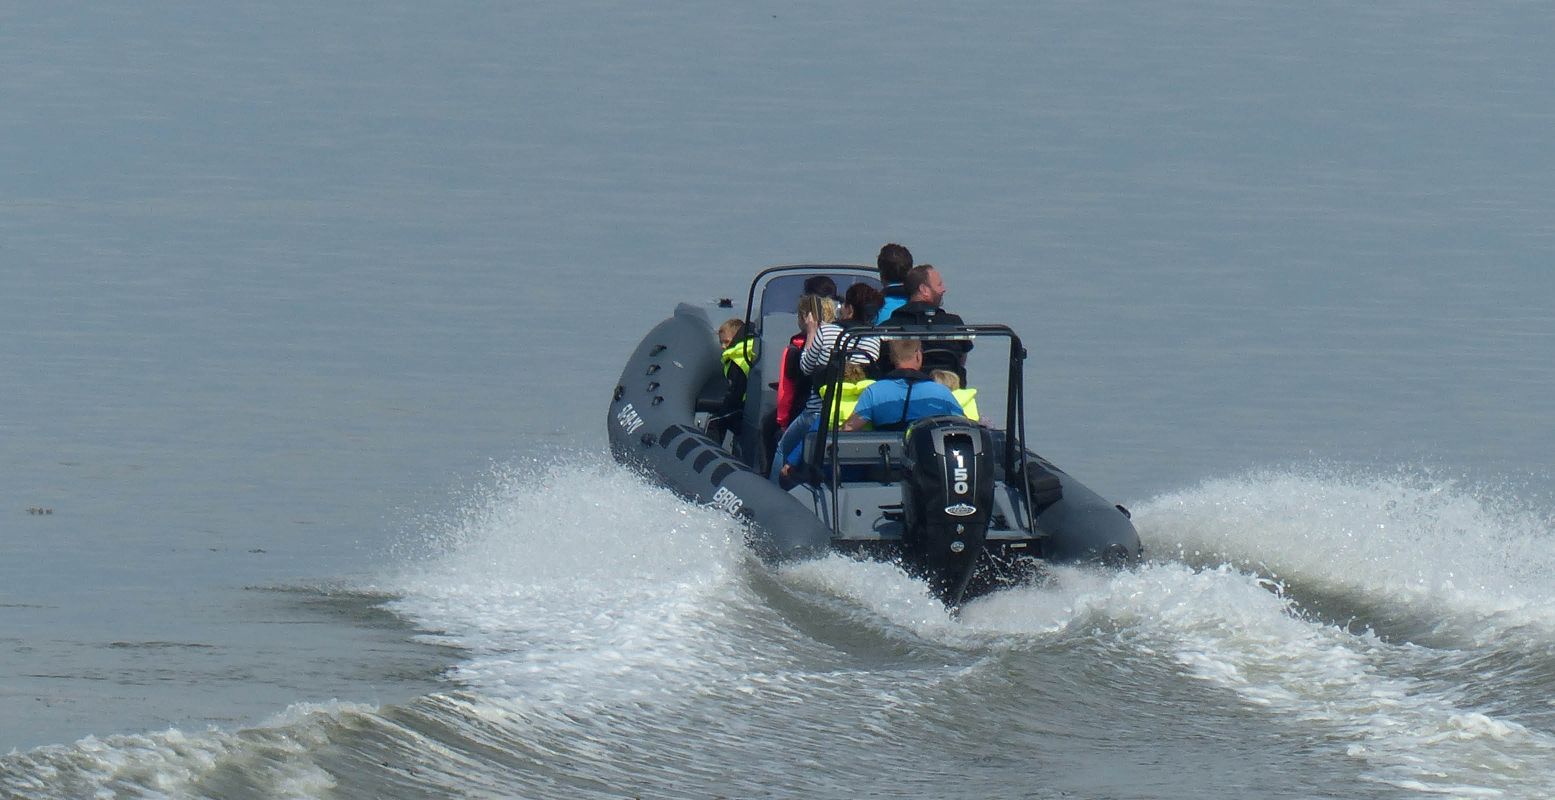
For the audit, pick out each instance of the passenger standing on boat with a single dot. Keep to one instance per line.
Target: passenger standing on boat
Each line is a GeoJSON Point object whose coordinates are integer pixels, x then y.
{"type": "Point", "coordinates": [893, 262]}
{"type": "Point", "coordinates": [925, 296]}
{"type": "Point", "coordinates": [739, 350]}
{"type": "Point", "coordinates": [903, 396]}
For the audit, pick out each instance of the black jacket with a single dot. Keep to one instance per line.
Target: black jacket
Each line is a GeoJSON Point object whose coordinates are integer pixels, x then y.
{"type": "Point", "coordinates": [949, 355]}
{"type": "Point", "coordinates": [918, 312]}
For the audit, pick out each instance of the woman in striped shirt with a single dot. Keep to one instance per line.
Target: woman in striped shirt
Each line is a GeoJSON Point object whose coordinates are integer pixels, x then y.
{"type": "Point", "coordinates": [862, 302]}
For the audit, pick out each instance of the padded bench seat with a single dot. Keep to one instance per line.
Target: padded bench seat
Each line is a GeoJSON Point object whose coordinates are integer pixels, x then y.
{"type": "Point", "coordinates": [860, 447]}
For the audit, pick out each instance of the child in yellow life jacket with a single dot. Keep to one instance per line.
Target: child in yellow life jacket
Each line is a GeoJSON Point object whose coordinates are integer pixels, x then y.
{"type": "Point", "coordinates": [854, 381]}
{"type": "Point", "coordinates": [966, 397]}
{"type": "Point", "coordinates": [738, 352]}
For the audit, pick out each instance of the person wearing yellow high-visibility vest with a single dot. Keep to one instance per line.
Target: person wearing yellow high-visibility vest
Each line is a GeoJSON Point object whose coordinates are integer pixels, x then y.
{"type": "Point", "coordinates": [904, 395]}
{"type": "Point", "coordinates": [854, 381]}
{"type": "Point", "coordinates": [738, 352]}
{"type": "Point", "coordinates": [966, 397]}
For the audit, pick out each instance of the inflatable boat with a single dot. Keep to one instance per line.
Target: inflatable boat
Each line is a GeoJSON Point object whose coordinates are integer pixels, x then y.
{"type": "Point", "coordinates": [962, 503]}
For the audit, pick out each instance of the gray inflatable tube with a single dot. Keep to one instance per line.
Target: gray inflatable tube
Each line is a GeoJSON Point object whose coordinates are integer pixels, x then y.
{"type": "Point", "coordinates": [650, 425]}
{"type": "Point", "coordinates": [1083, 526]}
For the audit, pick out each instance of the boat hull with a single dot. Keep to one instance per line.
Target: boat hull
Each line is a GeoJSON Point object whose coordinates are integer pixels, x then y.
{"type": "Point", "coordinates": [651, 427]}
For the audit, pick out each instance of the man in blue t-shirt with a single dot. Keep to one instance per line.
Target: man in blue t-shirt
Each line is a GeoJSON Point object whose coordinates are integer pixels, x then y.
{"type": "Point", "coordinates": [903, 396]}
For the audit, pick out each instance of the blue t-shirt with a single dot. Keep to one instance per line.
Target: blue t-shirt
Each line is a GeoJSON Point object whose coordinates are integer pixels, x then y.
{"type": "Point", "coordinates": [882, 402]}
{"type": "Point", "coordinates": [884, 407]}
{"type": "Point", "coordinates": [895, 297]}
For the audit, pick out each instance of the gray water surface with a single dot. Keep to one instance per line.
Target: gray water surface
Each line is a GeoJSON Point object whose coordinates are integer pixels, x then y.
{"type": "Point", "coordinates": [289, 286]}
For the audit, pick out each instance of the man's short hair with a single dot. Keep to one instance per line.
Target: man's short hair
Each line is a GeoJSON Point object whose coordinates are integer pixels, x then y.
{"type": "Point", "coordinates": [893, 262]}
{"type": "Point", "coordinates": [731, 326]}
{"type": "Point", "coordinates": [917, 277]}
{"type": "Point", "coordinates": [904, 350]}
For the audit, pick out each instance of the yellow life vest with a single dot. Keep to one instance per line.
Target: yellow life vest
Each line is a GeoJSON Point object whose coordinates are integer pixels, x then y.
{"type": "Point", "coordinates": [848, 401]}
{"type": "Point", "coordinates": [740, 353]}
{"type": "Point", "coordinates": [968, 400]}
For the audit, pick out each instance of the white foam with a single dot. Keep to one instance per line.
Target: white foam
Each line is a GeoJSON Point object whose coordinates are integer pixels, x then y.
{"type": "Point", "coordinates": [880, 589]}
{"type": "Point", "coordinates": [1236, 630]}
{"type": "Point", "coordinates": [579, 586]}
{"type": "Point", "coordinates": [1476, 564]}
{"type": "Point", "coordinates": [573, 581]}
{"type": "Point", "coordinates": [276, 756]}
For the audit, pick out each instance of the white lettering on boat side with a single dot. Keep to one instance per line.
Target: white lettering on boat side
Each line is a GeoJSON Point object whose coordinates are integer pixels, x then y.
{"type": "Point", "coordinates": [628, 420]}
{"type": "Point", "coordinates": [727, 501]}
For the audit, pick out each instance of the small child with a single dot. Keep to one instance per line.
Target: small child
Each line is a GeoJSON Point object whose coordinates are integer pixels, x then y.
{"type": "Point", "coordinates": [738, 353]}
{"type": "Point", "coordinates": [966, 397]}
{"type": "Point", "coordinates": [855, 379]}
{"type": "Point", "coordinates": [728, 330]}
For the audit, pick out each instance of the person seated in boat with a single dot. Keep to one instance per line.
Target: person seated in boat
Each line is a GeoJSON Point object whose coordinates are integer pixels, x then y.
{"type": "Point", "coordinates": [925, 298]}
{"type": "Point", "coordinates": [821, 340]}
{"type": "Point", "coordinates": [794, 385]}
{"type": "Point", "coordinates": [739, 350]}
{"type": "Point", "coordinates": [966, 397]}
{"type": "Point", "coordinates": [822, 285]}
{"type": "Point", "coordinates": [893, 262]}
{"type": "Point", "coordinates": [860, 306]}
{"type": "Point", "coordinates": [855, 379]}
{"type": "Point", "coordinates": [903, 396]}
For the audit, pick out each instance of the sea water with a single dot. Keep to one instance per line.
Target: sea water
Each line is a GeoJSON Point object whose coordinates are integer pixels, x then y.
{"type": "Point", "coordinates": [312, 315]}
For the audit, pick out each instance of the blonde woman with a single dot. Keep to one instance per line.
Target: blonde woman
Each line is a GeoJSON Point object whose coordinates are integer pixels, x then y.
{"type": "Point", "coordinates": [794, 381]}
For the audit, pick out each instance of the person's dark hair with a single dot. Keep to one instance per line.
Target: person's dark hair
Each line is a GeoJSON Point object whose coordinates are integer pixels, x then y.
{"type": "Point", "coordinates": [865, 300]}
{"type": "Point", "coordinates": [917, 277]}
{"type": "Point", "coordinates": [893, 262]}
{"type": "Point", "coordinates": [822, 285]}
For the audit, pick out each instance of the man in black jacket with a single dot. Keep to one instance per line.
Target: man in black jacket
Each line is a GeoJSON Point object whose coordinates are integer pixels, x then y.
{"type": "Point", "coordinates": [925, 293]}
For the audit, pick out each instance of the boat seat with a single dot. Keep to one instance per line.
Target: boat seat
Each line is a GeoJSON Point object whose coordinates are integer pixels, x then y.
{"type": "Point", "coordinates": [859, 454]}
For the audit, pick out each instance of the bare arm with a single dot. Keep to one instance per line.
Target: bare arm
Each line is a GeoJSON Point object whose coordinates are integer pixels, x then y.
{"type": "Point", "coordinates": [854, 423]}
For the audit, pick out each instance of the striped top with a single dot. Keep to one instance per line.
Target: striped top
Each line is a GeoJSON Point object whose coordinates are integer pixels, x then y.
{"type": "Point", "coordinates": [818, 352]}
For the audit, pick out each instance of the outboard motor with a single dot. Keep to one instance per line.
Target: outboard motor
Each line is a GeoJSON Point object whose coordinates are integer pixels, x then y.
{"type": "Point", "coordinates": [947, 500]}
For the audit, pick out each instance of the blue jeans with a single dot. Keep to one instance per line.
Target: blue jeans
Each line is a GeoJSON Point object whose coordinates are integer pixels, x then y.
{"type": "Point", "coordinates": [792, 437]}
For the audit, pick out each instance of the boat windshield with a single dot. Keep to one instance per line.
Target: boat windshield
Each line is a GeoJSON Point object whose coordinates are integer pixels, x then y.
{"type": "Point", "coordinates": [779, 288]}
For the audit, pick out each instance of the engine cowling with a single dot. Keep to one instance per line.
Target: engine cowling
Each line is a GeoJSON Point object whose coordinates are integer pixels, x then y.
{"type": "Point", "coordinates": [947, 500]}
